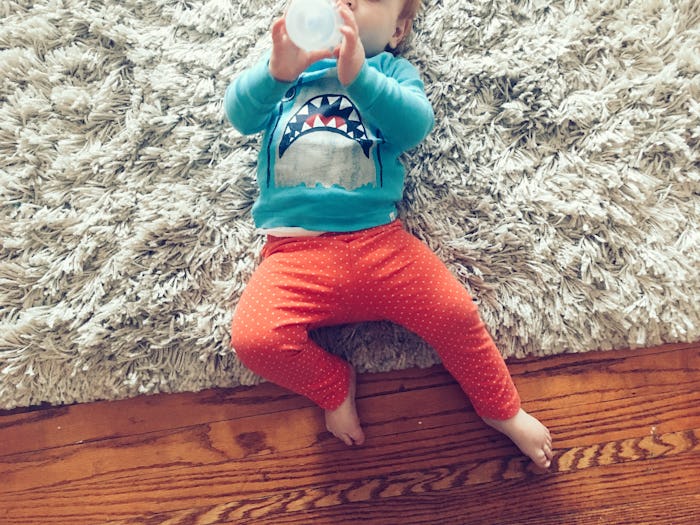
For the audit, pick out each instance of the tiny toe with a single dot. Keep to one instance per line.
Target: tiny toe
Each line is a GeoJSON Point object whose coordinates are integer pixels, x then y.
{"type": "Point", "coordinates": [542, 459]}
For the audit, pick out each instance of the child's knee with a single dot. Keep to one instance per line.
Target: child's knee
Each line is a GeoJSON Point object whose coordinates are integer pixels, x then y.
{"type": "Point", "coordinates": [457, 310]}
{"type": "Point", "coordinates": [248, 344]}
{"type": "Point", "coordinates": [250, 340]}
{"type": "Point", "coordinates": [256, 346]}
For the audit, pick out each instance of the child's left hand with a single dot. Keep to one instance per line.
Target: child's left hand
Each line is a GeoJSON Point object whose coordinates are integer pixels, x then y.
{"type": "Point", "coordinates": [350, 52]}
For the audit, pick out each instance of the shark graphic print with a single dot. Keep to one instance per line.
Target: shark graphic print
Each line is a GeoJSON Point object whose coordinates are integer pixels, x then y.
{"type": "Point", "coordinates": [323, 141]}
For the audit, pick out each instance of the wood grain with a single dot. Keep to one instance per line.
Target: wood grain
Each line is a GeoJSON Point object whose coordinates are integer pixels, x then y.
{"type": "Point", "coordinates": [626, 426]}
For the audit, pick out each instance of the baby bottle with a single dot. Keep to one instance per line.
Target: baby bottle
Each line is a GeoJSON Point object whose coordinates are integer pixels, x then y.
{"type": "Point", "coordinates": [313, 24]}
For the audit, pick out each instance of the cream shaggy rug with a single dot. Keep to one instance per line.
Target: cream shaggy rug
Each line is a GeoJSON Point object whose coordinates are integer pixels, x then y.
{"type": "Point", "coordinates": [561, 184]}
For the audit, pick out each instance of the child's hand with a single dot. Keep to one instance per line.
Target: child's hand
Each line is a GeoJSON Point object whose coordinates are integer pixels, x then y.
{"type": "Point", "coordinates": [287, 61]}
{"type": "Point", "coordinates": [350, 52]}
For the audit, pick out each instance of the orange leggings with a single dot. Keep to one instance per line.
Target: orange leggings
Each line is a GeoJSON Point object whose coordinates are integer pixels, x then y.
{"type": "Point", "coordinates": [379, 274]}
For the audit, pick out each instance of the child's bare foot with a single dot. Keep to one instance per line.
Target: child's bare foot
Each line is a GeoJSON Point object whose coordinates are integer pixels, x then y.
{"type": "Point", "coordinates": [343, 422]}
{"type": "Point", "coordinates": [531, 436]}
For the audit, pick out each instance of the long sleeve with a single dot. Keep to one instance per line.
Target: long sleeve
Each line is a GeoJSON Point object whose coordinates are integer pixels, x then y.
{"type": "Point", "coordinates": [393, 99]}
{"type": "Point", "coordinates": [251, 98]}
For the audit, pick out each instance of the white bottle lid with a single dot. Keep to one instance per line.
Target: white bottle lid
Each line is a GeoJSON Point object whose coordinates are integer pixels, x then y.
{"type": "Point", "coordinates": [313, 24]}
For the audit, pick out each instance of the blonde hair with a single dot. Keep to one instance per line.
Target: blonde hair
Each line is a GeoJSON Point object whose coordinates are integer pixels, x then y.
{"type": "Point", "coordinates": [410, 10]}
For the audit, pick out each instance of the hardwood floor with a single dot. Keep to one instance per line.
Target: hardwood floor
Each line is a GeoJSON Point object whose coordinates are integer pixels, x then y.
{"type": "Point", "coordinates": [626, 426]}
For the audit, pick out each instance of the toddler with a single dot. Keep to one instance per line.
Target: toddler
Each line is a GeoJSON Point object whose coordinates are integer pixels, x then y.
{"type": "Point", "coordinates": [335, 123]}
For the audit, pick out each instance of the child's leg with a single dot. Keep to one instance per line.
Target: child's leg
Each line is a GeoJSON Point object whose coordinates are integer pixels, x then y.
{"type": "Point", "coordinates": [293, 289]}
{"type": "Point", "coordinates": [417, 291]}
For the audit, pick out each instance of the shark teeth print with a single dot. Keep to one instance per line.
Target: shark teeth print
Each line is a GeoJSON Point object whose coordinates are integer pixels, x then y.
{"type": "Point", "coordinates": [330, 113]}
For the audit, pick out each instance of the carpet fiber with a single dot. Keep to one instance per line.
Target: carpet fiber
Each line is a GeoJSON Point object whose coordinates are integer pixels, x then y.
{"type": "Point", "coordinates": [561, 184]}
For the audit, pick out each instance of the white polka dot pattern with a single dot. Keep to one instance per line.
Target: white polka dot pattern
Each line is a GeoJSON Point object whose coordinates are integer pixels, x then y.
{"type": "Point", "coordinates": [383, 273]}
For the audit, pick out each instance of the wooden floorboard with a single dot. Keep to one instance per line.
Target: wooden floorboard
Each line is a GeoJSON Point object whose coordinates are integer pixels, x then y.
{"type": "Point", "coordinates": [626, 427]}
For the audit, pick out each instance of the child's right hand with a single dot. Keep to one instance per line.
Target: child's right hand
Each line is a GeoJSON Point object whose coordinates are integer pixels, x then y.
{"type": "Point", "coordinates": [288, 61]}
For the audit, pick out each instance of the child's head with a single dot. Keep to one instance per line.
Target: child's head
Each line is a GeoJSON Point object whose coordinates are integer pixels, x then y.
{"type": "Point", "coordinates": [383, 24]}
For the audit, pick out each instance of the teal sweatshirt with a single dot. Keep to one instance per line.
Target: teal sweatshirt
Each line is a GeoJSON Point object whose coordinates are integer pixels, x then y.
{"type": "Point", "coordinates": [330, 155]}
